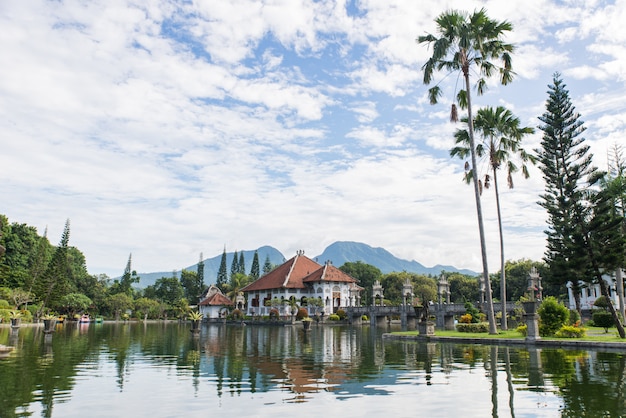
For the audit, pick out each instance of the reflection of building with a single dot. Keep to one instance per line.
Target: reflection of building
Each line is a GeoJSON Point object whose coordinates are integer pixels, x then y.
{"type": "Point", "coordinates": [301, 278]}
{"type": "Point", "coordinates": [212, 302]}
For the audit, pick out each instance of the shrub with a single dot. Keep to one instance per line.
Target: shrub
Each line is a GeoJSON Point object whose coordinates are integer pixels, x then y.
{"type": "Point", "coordinates": [602, 302]}
{"type": "Point", "coordinates": [333, 317]}
{"type": "Point", "coordinates": [522, 329]}
{"type": "Point", "coordinates": [470, 309]}
{"type": "Point", "coordinates": [364, 318]}
{"type": "Point", "coordinates": [302, 313]}
{"type": "Point", "coordinates": [465, 318]}
{"type": "Point", "coordinates": [603, 319]}
{"type": "Point", "coordinates": [4, 304]}
{"type": "Point", "coordinates": [553, 316]}
{"type": "Point", "coordinates": [274, 314]}
{"type": "Point", "coordinates": [341, 314]}
{"type": "Point", "coordinates": [473, 327]}
{"type": "Point", "coordinates": [236, 314]}
{"type": "Point", "coordinates": [574, 317]}
{"type": "Point", "coordinates": [571, 331]}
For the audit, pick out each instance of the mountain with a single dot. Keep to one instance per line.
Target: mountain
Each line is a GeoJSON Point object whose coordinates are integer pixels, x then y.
{"type": "Point", "coordinates": [337, 253]}
{"type": "Point", "coordinates": [212, 265]}
{"type": "Point", "coordinates": [341, 252]}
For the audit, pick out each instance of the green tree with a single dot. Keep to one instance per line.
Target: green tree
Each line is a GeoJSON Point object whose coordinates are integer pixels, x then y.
{"type": "Point", "coordinates": [200, 275]}
{"type": "Point", "coordinates": [501, 135]}
{"type": "Point", "coordinates": [148, 308]}
{"type": "Point", "coordinates": [118, 303]}
{"type": "Point", "coordinates": [222, 274]}
{"type": "Point", "coordinates": [267, 265]}
{"type": "Point", "coordinates": [366, 275]}
{"type": "Point", "coordinates": [168, 290]}
{"type": "Point", "coordinates": [125, 284]}
{"type": "Point", "coordinates": [255, 271]}
{"type": "Point", "coordinates": [469, 42]}
{"type": "Point", "coordinates": [73, 303]}
{"type": "Point", "coordinates": [583, 237]}
{"type": "Point", "coordinates": [234, 266]}
{"type": "Point", "coordinates": [54, 283]}
{"type": "Point", "coordinates": [242, 264]}
{"type": "Point", "coordinates": [463, 288]}
{"type": "Point", "coordinates": [191, 285]}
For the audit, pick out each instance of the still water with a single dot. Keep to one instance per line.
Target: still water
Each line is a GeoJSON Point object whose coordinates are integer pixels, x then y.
{"type": "Point", "coordinates": [161, 370]}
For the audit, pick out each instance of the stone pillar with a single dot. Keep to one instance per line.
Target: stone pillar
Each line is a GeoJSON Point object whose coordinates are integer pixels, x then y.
{"type": "Point", "coordinates": [532, 321]}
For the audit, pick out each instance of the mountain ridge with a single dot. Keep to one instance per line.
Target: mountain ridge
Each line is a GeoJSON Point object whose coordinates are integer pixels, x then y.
{"type": "Point", "coordinates": [338, 253]}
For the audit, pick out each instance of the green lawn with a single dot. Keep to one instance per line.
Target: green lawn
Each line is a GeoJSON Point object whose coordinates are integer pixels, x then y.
{"type": "Point", "coordinates": [593, 334]}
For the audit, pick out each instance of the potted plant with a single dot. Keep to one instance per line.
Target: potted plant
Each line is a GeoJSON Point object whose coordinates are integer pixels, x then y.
{"type": "Point", "coordinates": [16, 318]}
{"type": "Point", "coordinates": [306, 323]}
{"type": "Point", "coordinates": [49, 322]}
{"type": "Point", "coordinates": [195, 318]}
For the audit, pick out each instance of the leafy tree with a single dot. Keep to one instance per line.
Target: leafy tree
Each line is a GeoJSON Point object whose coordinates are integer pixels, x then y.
{"type": "Point", "coordinates": [73, 303]}
{"type": "Point", "coordinates": [466, 43]}
{"type": "Point", "coordinates": [148, 308]}
{"type": "Point", "coordinates": [583, 237]}
{"type": "Point", "coordinates": [118, 303]}
{"type": "Point", "coordinates": [20, 297]}
{"type": "Point", "coordinates": [222, 274]}
{"type": "Point", "coordinates": [234, 266]}
{"type": "Point", "coordinates": [366, 275]}
{"type": "Point", "coordinates": [54, 283]}
{"type": "Point", "coordinates": [501, 135]}
{"type": "Point", "coordinates": [191, 285]}
{"type": "Point", "coordinates": [463, 288]}
{"type": "Point", "coordinates": [168, 290]}
{"type": "Point", "coordinates": [255, 270]}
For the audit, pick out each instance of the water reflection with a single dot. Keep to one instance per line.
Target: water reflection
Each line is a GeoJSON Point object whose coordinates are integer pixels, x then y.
{"type": "Point", "coordinates": [160, 370]}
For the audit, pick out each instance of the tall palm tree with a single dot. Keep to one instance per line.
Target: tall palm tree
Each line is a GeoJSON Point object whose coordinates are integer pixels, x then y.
{"type": "Point", "coordinates": [501, 145]}
{"type": "Point", "coordinates": [468, 42]}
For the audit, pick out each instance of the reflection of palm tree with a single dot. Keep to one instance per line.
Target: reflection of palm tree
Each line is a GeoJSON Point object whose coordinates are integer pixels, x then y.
{"type": "Point", "coordinates": [470, 42]}
{"type": "Point", "coordinates": [502, 137]}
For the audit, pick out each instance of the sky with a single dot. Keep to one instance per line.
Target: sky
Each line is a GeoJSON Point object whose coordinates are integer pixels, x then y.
{"type": "Point", "coordinates": [170, 129]}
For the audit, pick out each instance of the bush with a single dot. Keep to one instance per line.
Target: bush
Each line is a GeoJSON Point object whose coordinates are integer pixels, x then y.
{"type": "Point", "coordinates": [364, 318]}
{"type": "Point", "coordinates": [302, 313]}
{"type": "Point", "coordinates": [602, 302]}
{"type": "Point", "coordinates": [4, 304]}
{"type": "Point", "coordinates": [574, 317]}
{"type": "Point", "coordinates": [236, 314]}
{"type": "Point", "coordinates": [603, 319]}
{"type": "Point", "coordinates": [570, 331]}
{"type": "Point", "coordinates": [465, 318]}
{"type": "Point", "coordinates": [522, 329]}
{"type": "Point", "coordinates": [333, 317]}
{"type": "Point", "coordinates": [341, 314]}
{"type": "Point", "coordinates": [553, 316]}
{"type": "Point", "coordinates": [473, 327]}
{"type": "Point", "coordinates": [470, 309]}
{"type": "Point", "coordinates": [274, 314]}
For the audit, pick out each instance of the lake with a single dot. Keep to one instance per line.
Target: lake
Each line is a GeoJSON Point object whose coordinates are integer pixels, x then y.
{"type": "Point", "coordinates": [161, 370]}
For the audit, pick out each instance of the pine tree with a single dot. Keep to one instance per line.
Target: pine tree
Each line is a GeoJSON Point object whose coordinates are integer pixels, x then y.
{"type": "Point", "coordinates": [583, 237]}
{"type": "Point", "coordinates": [267, 266]}
{"type": "Point", "coordinates": [222, 274]}
{"type": "Point", "coordinates": [242, 264]}
{"type": "Point", "coordinates": [254, 270]}
{"type": "Point", "coordinates": [54, 283]}
{"type": "Point", "coordinates": [201, 274]}
{"type": "Point", "coordinates": [234, 267]}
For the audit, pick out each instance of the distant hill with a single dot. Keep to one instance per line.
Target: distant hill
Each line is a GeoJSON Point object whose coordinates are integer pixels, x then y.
{"type": "Point", "coordinates": [212, 265]}
{"type": "Point", "coordinates": [338, 253]}
{"type": "Point", "coordinates": [341, 252]}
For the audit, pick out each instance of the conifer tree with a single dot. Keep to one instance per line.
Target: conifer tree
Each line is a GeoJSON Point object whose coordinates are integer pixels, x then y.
{"type": "Point", "coordinates": [255, 270]}
{"type": "Point", "coordinates": [201, 273]}
{"type": "Point", "coordinates": [54, 283]}
{"type": "Point", "coordinates": [222, 274]}
{"type": "Point", "coordinates": [267, 266]}
{"type": "Point", "coordinates": [242, 264]}
{"type": "Point", "coordinates": [234, 267]}
{"type": "Point", "coordinates": [583, 236]}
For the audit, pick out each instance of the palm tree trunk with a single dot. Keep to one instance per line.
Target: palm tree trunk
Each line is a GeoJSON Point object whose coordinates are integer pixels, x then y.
{"type": "Point", "coordinates": [483, 246]}
{"type": "Point", "coordinates": [503, 324]}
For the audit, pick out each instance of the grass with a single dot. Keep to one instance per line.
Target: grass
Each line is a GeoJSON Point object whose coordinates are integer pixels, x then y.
{"type": "Point", "coordinates": [593, 335]}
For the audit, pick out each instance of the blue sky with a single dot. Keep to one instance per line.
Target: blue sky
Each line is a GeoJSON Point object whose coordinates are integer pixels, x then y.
{"type": "Point", "coordinates": [169, 129]}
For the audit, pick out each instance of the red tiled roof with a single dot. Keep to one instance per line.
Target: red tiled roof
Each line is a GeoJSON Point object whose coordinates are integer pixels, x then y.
{"type": "Point", "coordinates": [287, 275]}
{"type": "Point", "coordinates": [329, 273]}
{"type": "Point", "coordinates": [217, 299]}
